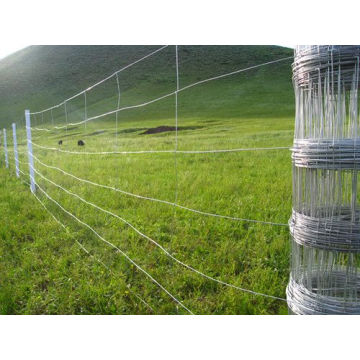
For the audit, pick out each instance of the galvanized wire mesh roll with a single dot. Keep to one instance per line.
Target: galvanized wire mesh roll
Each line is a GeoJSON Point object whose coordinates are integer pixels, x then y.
{"type": "Point", "coordinates": [325, 222]}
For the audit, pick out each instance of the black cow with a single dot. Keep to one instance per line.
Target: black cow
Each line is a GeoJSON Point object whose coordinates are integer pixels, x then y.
{"type": "Point", "coordinates": [60, 142]}
{"type": "Point", "coordinates": [81, 143]}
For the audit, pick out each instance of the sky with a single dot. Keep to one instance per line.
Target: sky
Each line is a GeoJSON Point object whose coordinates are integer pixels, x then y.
{"type": "Point", "coordinates": [7, 49]}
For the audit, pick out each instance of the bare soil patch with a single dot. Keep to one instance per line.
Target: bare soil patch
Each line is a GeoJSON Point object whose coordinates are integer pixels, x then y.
{"type": "Point", "coordinates": [164, 128]}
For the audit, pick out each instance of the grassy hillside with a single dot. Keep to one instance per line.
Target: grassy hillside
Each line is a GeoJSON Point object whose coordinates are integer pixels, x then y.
{"type": "Point", "coordinates": [43, 268]}
{"type": "Point", "coordinates": [39, 76]}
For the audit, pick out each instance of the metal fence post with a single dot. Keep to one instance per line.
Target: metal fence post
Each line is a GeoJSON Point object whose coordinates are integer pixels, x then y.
{"type": "Point", "coordinates": [5, 149]}
{"type": "Point", "coordinates": [30, 151]}
{"type": "Point", "coordinates": [15, 150]}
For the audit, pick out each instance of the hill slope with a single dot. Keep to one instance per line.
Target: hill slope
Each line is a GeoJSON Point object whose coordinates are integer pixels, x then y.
{"type": "Point", "coordinates": [40, 76]}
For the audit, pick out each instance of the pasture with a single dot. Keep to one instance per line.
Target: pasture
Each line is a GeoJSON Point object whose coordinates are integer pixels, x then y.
{"type": "Point", "coordinates": [44, 268]}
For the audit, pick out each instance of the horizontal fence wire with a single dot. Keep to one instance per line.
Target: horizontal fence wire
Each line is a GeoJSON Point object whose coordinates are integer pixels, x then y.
{"type": "Point", "coordinates": [115, 111]}
{"type": "Point", "coordinates": [157, 200]}
{"type": "Point", "coordinates": [154, 242]}
{"type": "Point", "coordinates": [82, 247]}
{"type": "Point", "coordinates": [160, 151]}
{"type": "Point", "coordinates": [95, 258]}
{"type": "Point", "coordinates": [235, 72]}
{"type": "Point", "coordinates": [113, 246]}
{"type": "Point", "coordinates": [101, 81]}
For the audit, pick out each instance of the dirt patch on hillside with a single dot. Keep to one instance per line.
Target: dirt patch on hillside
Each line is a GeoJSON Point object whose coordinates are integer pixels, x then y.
{"type": "Point", "coordinates": [163, 128]}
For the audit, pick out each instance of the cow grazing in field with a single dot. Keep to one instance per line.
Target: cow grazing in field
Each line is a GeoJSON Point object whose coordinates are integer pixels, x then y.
{"type": "Point", "coordinates": [60, 142]}
{"type": "Point", "coordinates": [81, 143]}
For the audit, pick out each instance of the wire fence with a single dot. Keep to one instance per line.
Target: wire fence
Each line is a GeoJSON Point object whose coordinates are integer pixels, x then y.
{"type": "Point", "coordinates": [161, 162]}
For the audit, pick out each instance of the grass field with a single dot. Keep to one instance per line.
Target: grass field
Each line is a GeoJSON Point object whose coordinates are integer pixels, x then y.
{"type": "Point", "coordinates": [43, 269]}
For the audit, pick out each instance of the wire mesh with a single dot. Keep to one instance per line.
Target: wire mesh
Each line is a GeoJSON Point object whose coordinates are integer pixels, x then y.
{"type": "Point", "coordinates": [325, 226]}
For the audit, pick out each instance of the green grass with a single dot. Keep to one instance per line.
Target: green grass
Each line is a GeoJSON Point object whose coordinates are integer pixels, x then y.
{"type": "Point", "coordinates": [44, 271]}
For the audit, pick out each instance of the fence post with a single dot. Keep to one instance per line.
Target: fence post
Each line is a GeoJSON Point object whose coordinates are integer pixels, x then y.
{"type": "Point", "coordinates": [30, 151]}
{"type": "Point", "coordinates": [5, 149]}
{"type": "Point", "coordinates": [15, 150]}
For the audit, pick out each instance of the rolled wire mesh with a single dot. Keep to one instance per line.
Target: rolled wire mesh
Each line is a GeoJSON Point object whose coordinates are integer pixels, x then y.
{"type": "Point", "coordinates": [325, 222]}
